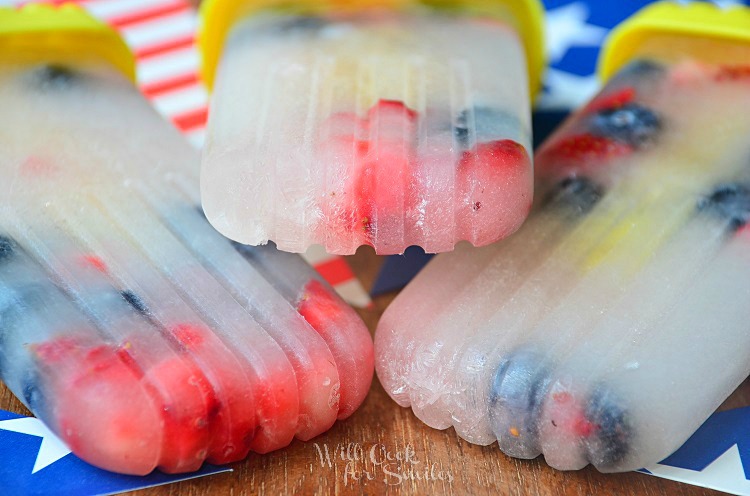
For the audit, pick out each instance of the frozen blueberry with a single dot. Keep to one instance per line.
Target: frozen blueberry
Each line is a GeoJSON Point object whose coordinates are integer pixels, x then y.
{"type": "Point", "coordinates": [632, 124]}
{"type": "Point", "coordinates": [489, 124]}
{"type": "Point", "coordinates": [613, 433]}
{"type": "Point", "coordinates": [518, 389]}
{"type": "Point", "coordinates": [7, 248]}
{"type": "Point", "coordinates": [15, 304]}
{"type": "Point", "coordinates": [577, 192]}
{"type": "Point", "coordinates": [135, 301]}
{"type": "Point", "coordinates": [305, 23]}
{"type": "Point", "coordinates": [32, 396]}
{"type": "Point", "coordinates": [296, 25]}
{"type": "Point", "coordinates": [730, 202]}
{"type": "Point", "coordinates": [53, 76]}
{"type": "Point", "coordinates": [640, 69]}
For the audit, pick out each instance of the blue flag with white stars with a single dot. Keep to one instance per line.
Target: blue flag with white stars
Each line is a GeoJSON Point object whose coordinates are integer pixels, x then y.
{"type": "Point", "coordinates": [36, 462]}
{"type": "Point", "coordinates": [717, 456]}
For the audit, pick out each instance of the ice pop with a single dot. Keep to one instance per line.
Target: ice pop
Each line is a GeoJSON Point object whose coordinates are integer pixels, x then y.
{"type": "Point", "coordinates": [133, 329]}
{"type": "Point", "coordinates": [616, 320]}
{"type": "Point", "coordinates": [387, 123]}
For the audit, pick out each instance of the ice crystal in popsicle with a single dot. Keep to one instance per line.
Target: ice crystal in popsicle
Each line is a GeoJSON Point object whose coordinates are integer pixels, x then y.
{"type": "Point", "coordinates": [131, 327]}
{"type": "Point", "coordinates": [387, 123]}
{"type": "Point", "coordinates": [615, 321]}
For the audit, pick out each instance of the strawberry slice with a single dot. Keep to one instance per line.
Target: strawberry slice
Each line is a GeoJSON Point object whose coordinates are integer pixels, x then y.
{"type": "Point", "coordinates": [392, 125]}
{"type": "Point", "coordinates": [570, 415]}
{"type": "Point", "coordinates": [100, 406]}
{"type": "Point", "coordinates": [258, 414]}
{"type": "Point", "coordinates": [733, 73]}
{"type": "Point", "coordinates": [366, 206]}
{"type": "Point", "coordinates": [394, 109]}
{"type": "Point", "coordinates": [318, 306]}
{"type": "Point", "coordinates": [235, 419]}
{"type": "Point", "coordinates": [493, 180]}
{"type": "Point", "coordinates": [95, 262]}
{"type": "Point", "coordinates": [582, 149]}
{"type": "Point", "coordinates": [610, 101]}
{"type": "Point", "coordinates": [189, 408]}
{"type": "Point", "coordinates": [347, 338]}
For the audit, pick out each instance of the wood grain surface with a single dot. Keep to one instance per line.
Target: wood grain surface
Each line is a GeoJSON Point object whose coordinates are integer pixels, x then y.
{"type": "Point", "coordinates": [410, 458]}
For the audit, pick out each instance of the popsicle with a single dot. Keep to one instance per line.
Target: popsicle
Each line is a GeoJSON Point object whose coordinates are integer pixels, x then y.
{"type": "Point", "coordinates": [615, 321]}
{"type": "Point", "coordinates": [132, 328]}
{"type": "Point", "coordinates": [386, 123]}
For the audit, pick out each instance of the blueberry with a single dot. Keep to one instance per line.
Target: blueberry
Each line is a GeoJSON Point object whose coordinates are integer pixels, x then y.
{"type": "Point", "coordinates": [32, 396]}
{"type": "Point", "coordinates": [518, 389]}
{"type": "Point", "coordinates": [613, 436]}
{"type": "Point", "coordinates": [15, 304]}
{"type": "Point", "coordinates": [640, 69]}
{"type": "Point", "coordinates": [730, 202]}
{"type": "Point", "coordinates": [300, 24]}
{"type": "Point", "coordinates": [489, 124]}
{"type": "Point", "coordinates": [632, 124]}
{"type": "Point", "coordinates": [53, 76]}
{"type": "Point", "coordinates": [7, 248]}
{"type": "Point", "coordinates": [577, 192]}
{"type": "Point", "coordinates": [135, 301]}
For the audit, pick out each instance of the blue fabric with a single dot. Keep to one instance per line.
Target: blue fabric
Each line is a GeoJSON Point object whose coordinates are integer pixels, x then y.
{"type": "Point", "coordinates": [68, 475]}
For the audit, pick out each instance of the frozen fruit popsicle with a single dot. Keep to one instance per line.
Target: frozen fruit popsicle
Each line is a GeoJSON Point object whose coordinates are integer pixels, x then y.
{"type": "Point", "coordinates": [138, 333]}
{"type": "Point", "coordinates": [614, 322]}
{"type": "Point", "coordinates": [387, 123]}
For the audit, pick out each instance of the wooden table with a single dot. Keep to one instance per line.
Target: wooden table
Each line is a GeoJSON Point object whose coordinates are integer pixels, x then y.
{"type": "Point", "coordinates": [382, 428]}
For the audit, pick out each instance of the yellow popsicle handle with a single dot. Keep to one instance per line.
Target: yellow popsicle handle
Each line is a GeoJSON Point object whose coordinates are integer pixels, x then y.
{"type": "Point", "coordinates": [526, 16]}
{"type": "Point", "coordinates": [67, 31]}
{"type": "Point", "coordinates": [695, 20]}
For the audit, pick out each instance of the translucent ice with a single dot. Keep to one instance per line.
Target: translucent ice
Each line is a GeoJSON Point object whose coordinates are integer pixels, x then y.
{"type": "Point", "coordinates": [139, 334]}
{"type": "Point", "coordinates": [616, 320]}
{"type": "Point", "coordinates": [349, 127]}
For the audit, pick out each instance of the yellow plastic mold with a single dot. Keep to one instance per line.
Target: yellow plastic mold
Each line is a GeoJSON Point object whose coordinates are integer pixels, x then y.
{"type": "Point", "coordinates": [672, 21]}
{"type": "Point", "coordinates": [67, 31]}
{"type": "Point", "coordinates": [526, 16]}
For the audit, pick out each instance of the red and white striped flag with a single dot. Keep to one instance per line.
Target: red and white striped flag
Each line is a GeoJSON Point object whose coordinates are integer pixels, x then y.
{"type": "Point", "coordinates": [162, 34]}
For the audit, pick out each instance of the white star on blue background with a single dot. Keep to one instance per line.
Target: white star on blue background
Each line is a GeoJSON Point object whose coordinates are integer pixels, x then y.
{"type": "Point", "coordinates": [51, 449]}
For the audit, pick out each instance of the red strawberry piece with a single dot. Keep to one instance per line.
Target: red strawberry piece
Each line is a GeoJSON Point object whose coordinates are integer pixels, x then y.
{"type": "Point", "coordinates": [277, 413]}
{"type": "Point", "coordinates": [583, 427]}
{"type": "Point", "coordinates": [376, 147]}
{"type": "Point", "coordinates": [495, 190]}
{"type": "Point", "coordinates": [394, 108]}
{"type": "Point", "coordinates": [733, 73]}
{"type": "Point", "coordinates": [382, 169]}
{"type": "Point", "coordinates": [235, 419]}
{"type": "Point", "coordinates": [318, 306]}
{"type": "Point", "coordinates": [100, 406]}
{"type": "Point", "coordinates": [611, 100]}
{"type": "Point", "coordinates": [570, 415]}
{"type": "Point", "coordinates": [189, 409]}
{"type": "Point", "coordinates": [372, 197]}
{"type": "Point", "coordinates": [562, 397]}
{"type": "Point", "coordinates": [347, 338]}
{"type": "Point", "coordinates": [37, 166]}
{"type": "Point", "coordinates": [95, 262]}
{"type": "Point", "coordinates": [581, 149]}
{"type": "Point", "coordinates": [57, 350]}
{"type": "Point", "coordinates": [189, 336]}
